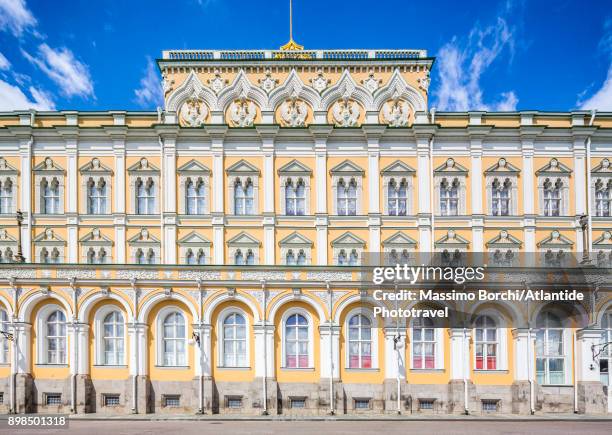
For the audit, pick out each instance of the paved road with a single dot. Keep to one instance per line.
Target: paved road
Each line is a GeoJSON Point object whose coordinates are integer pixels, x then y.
{"type": "Point", "coordinates": [322, 427]}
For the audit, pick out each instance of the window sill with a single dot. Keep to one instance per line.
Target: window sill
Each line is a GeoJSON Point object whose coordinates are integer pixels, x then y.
{"type": "Point", "coordinates": [171, 367]}
{"type": "Point", "coordinates": [298, 369]}
{"type": "Point", "coordinates": [233, 368]}
{"type": "Point", "coordinates": [491, 372]}
{"type": "Point", "coordinates": [357, 370]}
{"type": "Point", "coordinates": [51, 365]}
{"type": "Point", "coordinates": [109, 366]}
{"type": "Point", "coordinates": [428, 370]}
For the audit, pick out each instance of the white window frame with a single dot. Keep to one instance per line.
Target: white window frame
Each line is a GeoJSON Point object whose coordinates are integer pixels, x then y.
{"type": "Point", "coordinates": [284, 318]}
{"type": "Point", "coordinates": [438, 340]}
{"type": "Point", "coordinates": [501, 341]}
{"type": "Point", "coordinates": [295, 242]}
{"type": "Point", "coordinates": [145, 241]}
{"type": "Point", "coordinates": [195, 242]}
{"type": "Point", "coordinates": [399, 242]}
{"type": "Point", "coordinates": [398, 170]}
{"type": "Point", "coordinates": [294, 170]}
{"type": "Point", "coordinates": [7, 242]}
{"type": "Point", "coordinates": [294, 182]}
{"type": "Point", "coordinates": [96, 171]}
{"type": "Point", "coordinates": [248, 242]}
{"type": "Point", "coordinates": [502, 171]}
{"type": "Point", "coordinates": [144, 170]}
{"type": "Point", "coordinates": [159, 332]}
{"type": "Point", "coordinates": [50, 242]}
{"type": "Point", "coordinates": [566, 347]}
{"type": "Point", "coordinates": [373, 338]}
{"type": "Point", "coordinates": [242, 170]}
{"type": "Point", "coordinates": [48, 170]}
{"type": "Point", "coordinates": [347, 171]}
{"type": "Point", "coordinates": [554, 171]}
{"type": "Point", "coordinates": [193, 170]}
{"type": "Point", "coordinates": [99, 317]}
{"type": "Point", "coordinates": [224, 314]}
{"type": "Point", "coordinates": [42, 343]}
{"type": "Point", "coordinates": [5, 352]}
{"type": "Point", "coordinates": [450, 171]}
{"type": "Point", "coordinates": [8, 174]}
{"type": "Point", "coordinates": [342, 244]}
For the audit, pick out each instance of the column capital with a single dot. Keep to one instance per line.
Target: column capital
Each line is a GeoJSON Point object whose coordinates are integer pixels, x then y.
{"type": "Point", "coordinates": [589, 334]}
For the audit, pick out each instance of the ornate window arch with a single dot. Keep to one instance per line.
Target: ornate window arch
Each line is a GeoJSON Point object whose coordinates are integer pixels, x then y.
{"type": "Point", "coordinates": [243, 188]}
{"type": "Point", "coordinates": [49, 186]}
{"type": "Point", "coordinates": [52, 334]}
{"type": "Point", "coordinates": [553, 188]}
{"type": "Point", "coordinates": [450, 181]}
{"type": "Point", "coordinates": [295, 188]}
{"type": "Point", "coordinates": [502, 188]}
{"type": "Point", "coordinates": [601, 189]}
{"type": "Point", "coordinates": [295, 197]}
{"type": "Point", "coordinates": [297, 339]}
{"type": "Point", "coordinates": [144, 185]}
{"type": "Point", "coordinates": [110, 333]}
{"type": "Point", "coordinates": [96, 185]}
{"type": "Point", "coordinates": [171, 334]}
{"type": "Point", "coordinates": [347, 189]}
{"type": "Point", "coordinates": [233, 342]}
{"type": "Point", "coordinates": [194, 188]}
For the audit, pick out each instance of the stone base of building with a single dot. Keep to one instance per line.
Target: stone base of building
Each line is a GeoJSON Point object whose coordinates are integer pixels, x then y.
{"type": "Point", "coordinates": [592, 399]}
{"type": "Point", "coordinates": [559, 399]}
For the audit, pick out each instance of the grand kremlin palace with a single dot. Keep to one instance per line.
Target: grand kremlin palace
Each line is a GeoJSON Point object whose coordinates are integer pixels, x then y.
{"type": "Point", "coordinates": [204, 258]}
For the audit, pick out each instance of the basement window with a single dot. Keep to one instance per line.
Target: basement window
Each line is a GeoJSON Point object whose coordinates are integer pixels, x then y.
{"type": "Point", "coordinates": [172, 401]}
{"type": "Point", "coordinates": [490, 405]}
{"type": "Point", "coordinates": [53, 399]}
{"type": "Point", "coordinates": [233, 402]}
{"type": "Point", "coordinates": [111, 399]}
{"type": "Point", "coordinates": [1, 398]}
{"type": "Point", "coordinates": [362, 403]}
{"type": "Point", "coordinates": [426, 404]}
{"type": "Point", "coordinates": [297, 402]}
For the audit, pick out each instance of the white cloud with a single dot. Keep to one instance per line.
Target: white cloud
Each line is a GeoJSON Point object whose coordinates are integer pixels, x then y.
{"type": "Point", "coordinates": [602, 99]}
{"type": "Point", "coordinates": [13, 98]}
{"type": "Point", "coordinates": [149, 93]}
{"type": "Point", "coordinates": [15, 17]}
{"type": "Point", "coordinates": [4, 62]}
{"type": "Point", "coordinates": [461, 66]}
{"type": "Point", "coordinates": [63, 68]}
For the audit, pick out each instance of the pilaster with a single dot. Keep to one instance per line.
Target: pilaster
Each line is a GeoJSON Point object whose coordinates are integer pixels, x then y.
{"type": "Point", "coordinates": [26, 193]}
{"type": "Point", "coordinates": [424, 140]}
{"type": "Point", "coordinates": [260, 331]}
{"type": "Point", "coordinates": [330, 352]}
{"type": "Point", "coordinates": [320, 134]}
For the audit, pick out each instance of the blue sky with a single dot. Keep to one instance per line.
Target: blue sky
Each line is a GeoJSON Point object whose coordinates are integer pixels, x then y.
{"type": "Point", "coordinates": [507, 55]}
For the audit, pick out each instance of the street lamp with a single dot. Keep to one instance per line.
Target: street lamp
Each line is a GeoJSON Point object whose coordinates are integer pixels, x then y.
{"type": "Point", "coordinates": [19, 258]}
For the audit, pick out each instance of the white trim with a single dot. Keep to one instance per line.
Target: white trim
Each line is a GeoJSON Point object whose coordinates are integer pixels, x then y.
{"type": "Point", "coordinates": [41, 333]}
{"type": "Point", "coordinates": [373, 338]}
{"type": "Point", "coordinates": [221, 339]}
{"type": "Point", "coordinates": [501, 339]}
{"type": "Point", "coordinates": [159, 334]}
{"type": "Point", "coordinates": [99, 317]}
{"type": "Point", "coordinates": [289, 312]}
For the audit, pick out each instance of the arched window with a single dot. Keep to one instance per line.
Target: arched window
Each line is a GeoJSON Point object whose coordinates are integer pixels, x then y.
{"type": "Point", "coordinates": [113, 337]}
{"type": "Point", "coordinates": [449, 197]}
{"type": "Point", "coordinates": [486, 343]}
{"type": "Point", "coordinates": [603, 198]}
{"type": "Point", "coordinates": [295, 197]}
{"type": "Point", "coordinates": [500, 195]}
{"type": "Point", "coordinates": [301, 258]}
{"type": "Point", "coordinates": [398, 197]}
{"type": "Point", "coordinates": [552, 197]}
{"type": "Point", "coordinates": [290, 259]}
{"type": "Point", "coordinates": [234, 341]}
{"type": "Point", "coordinates": [4, 342]}
{"type": "Point", "coordinates": [174, 340]}
{"type": "Point", "coordinates": [145, 196]}
{"type": "Point", "coordinates": [296, 341]}
{"type": "Point", "coordinates": [50, 196]}
{"type": "Point", "coordinates": [423, 344]}
{"type": "Point", "coordinates": [56, 338]}
{"type": "Point", "coordinates": [247, 258]}
{"type": "Point", "coordinates": [244, 196]}
{"type": "Point", "coordinates": [360, 342]}
{"type": "Point", "coordinates": [96, 196]}
{"type": "Point", "coordinates": [7, 256]}
{"type": "Point", "coordinates": [91, 256]}
{"type": "Point", "coordinates": [140, 256]}
{"type": "Point", "coordinates": [6, 196]}
{"type": "Point", "coordinates": [399, 257]}
{"type": "Point", "coordinates": [196, 196]}
{"type": "Point", "coordinates": [198, 257]}
{"type": "Point", "coordinates": [605, 359]}
{"type": "Point", "coordinates": [550, 350]}
{"type": "Point", "coordinates": [347, 197]}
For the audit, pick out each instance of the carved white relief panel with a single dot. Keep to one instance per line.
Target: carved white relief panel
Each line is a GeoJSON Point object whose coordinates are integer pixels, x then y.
{"type": "Point", "coordinates": [193, 112]}
{"type": "Point", "coordinates": [345, 112]}
{"type": "Point", "coordinates": [293, 113]}
{"type": "Point", "coordinates": [396, 113]}
{"type": "Point", "coordinates": [242, 113]}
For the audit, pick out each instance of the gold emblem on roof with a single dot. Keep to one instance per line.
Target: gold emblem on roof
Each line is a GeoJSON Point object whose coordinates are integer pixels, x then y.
{"type": "Point", "coordinates": [292, 45]}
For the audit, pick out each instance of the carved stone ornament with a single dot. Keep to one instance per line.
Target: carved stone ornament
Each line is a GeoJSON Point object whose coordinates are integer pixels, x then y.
{"type": "Point", "coordinates": [167, 85]}
{"type": "Point", "coordinates": [424, 83]}
{"type": "Point", "coordinates": [268, 83]}
{"type": "Point", "coordinates": [320, 82]}
{"type": "Point", "coordinates": [217, 83]}
{"type": "Point", "coordinates": [242, 113]}
{"type": "Point", "coordinates": [193, 112]}
{"type": "Point", "coordinates": [371, 83]}
{"type": "Point", "coordinates": [346, 112]}
{"type": "Point", "coordinates": [293, 113]}
{"type": "Point", "coordinates": [396, 113]}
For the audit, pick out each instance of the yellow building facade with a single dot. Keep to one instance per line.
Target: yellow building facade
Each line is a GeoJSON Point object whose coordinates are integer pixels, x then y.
{"type": "Point", "coordinates": [207, 257]}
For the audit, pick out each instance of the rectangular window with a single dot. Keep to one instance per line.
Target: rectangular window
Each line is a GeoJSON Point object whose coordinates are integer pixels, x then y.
{"type": "Point", "coordinates": [362, 403]}
{"type": "Point", "coordinates": [1, 398]}
{"type": "Point", "coordinates": [6, 196]}
{"type": "Point", "coordinates": [53, 399]}
{"type": "Point", "coordinates": [233, 402]}
{"type": "Point", "coordinates": [426, 404]}
{"type": "Point", "coordinates": [172, 401]}
{"type": "Point", "coordinates": [111, 399]}
{"type": "Point", "coordinates": [490, 405]}
{"type": "Point", "coordinates": [297, 402]}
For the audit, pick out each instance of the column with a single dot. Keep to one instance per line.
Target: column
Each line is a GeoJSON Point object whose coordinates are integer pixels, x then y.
{"type": "Point", "coordinates": [320, 134]}
{"type": "Point", "coordinates": [168, 183]}
{"type": "Point", "coordinates": [373, 134]}
{"type": "Point", "coordinates": [395, 352]}
{"type": "Point", "coordinates": [260, 330]}
{"type": "Point", "coordinates": [120, 201]}
{"type": "Point", "coordinates": [267, 134]}
{"type": "Point", "coordinates": [217, 134]}
{"type": "Point", "coordinates": [459, 397]}
{"type": "Point", "coordinates": [522, 393]}
{"type": "Point", "coordinates": [26, 194]}
{"type": "Point", "coordinates": [330, 364]}
{"type": "Point", "coordinates": [580, 187]}
{"type": "Point", "coordinates": [477, 135]}
{"type": "Point", "coordinates": [591, 399]}
{"type": "Point", "coordinates": [423, 189]}
{"type": "Point", "coordinates": [21, 365]}
{"type": "Point", "coordinates": [528, 135]}
{"type": "Point", "coordinates": [71, 200]}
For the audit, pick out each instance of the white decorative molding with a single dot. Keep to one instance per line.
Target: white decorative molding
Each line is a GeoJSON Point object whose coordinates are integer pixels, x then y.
{"type": "Point", "coordinates": [397, 87]}
{"type": "Point", "coordinates": [398, 172]}
{"type": "Point", "coordinates": [268, 82]}
{"type": "Point", "coordinates": [195, 172]}
{"type": "Point", "coordinates": [147, 173]}
{"type": "Point", "coordinates": [329, 276]}
{"type": "Point", "coordinates": [371, 83]}
{"type": "Point", "coordinates": [320, 82]}
{"type": "Point", "coordinates": [502, 175]}
{"type": "Point", "coordinates": [396, 113]}
{"type": "Point", "coordinates": [258, 275]}
{"type": "Point", "coordinates": [324, 296]}
{"type": "Point", "coordinates": [99, 244]}
{"type": "Point", "coordinates": [8, 183]}
{"type": "Point", "coordinates": [297, 244]}
{"type": "Point", "coordinates": [136, 274]}
{"type": "Point", "coordinates": [147, 243]}
{"type": "Point", "coordinates": [452, 242]}
{"type": "Point", "coordinates": [293, 113]}
{"type": "Point", "coordinates": [346, 172]}
{"type": "Point", "coordinates": [197, 274]}
{"type": "Point", "coordinates": [242, 113]}
{"type": "Point", "coordinates": [348, 244]}
{"type": "Point", "coordinates": [197, 244]}
{"type": "Point", "coordinates": [294, 172]}
{"type": "Point", "coordinates": [192, 87]}
{"type": "Point", "coordinates": [552, 176]}
{"type": "Point", "coordinates": [193, 112]}
{"type": "Point", "coordinates": [49, 247]}
{"type": "Point", "coordinates": [49, 172]}
{"type": "Point", "coordinates": [217, 83]}
{"type": "Point", "coordinates": [449, 175]}
{"type": "Point", "coordinates": [76, 273]}
{"type": "Point", "coordinates": [242, 171]}
{"type": "Point", "coordinates": [245, 243]}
